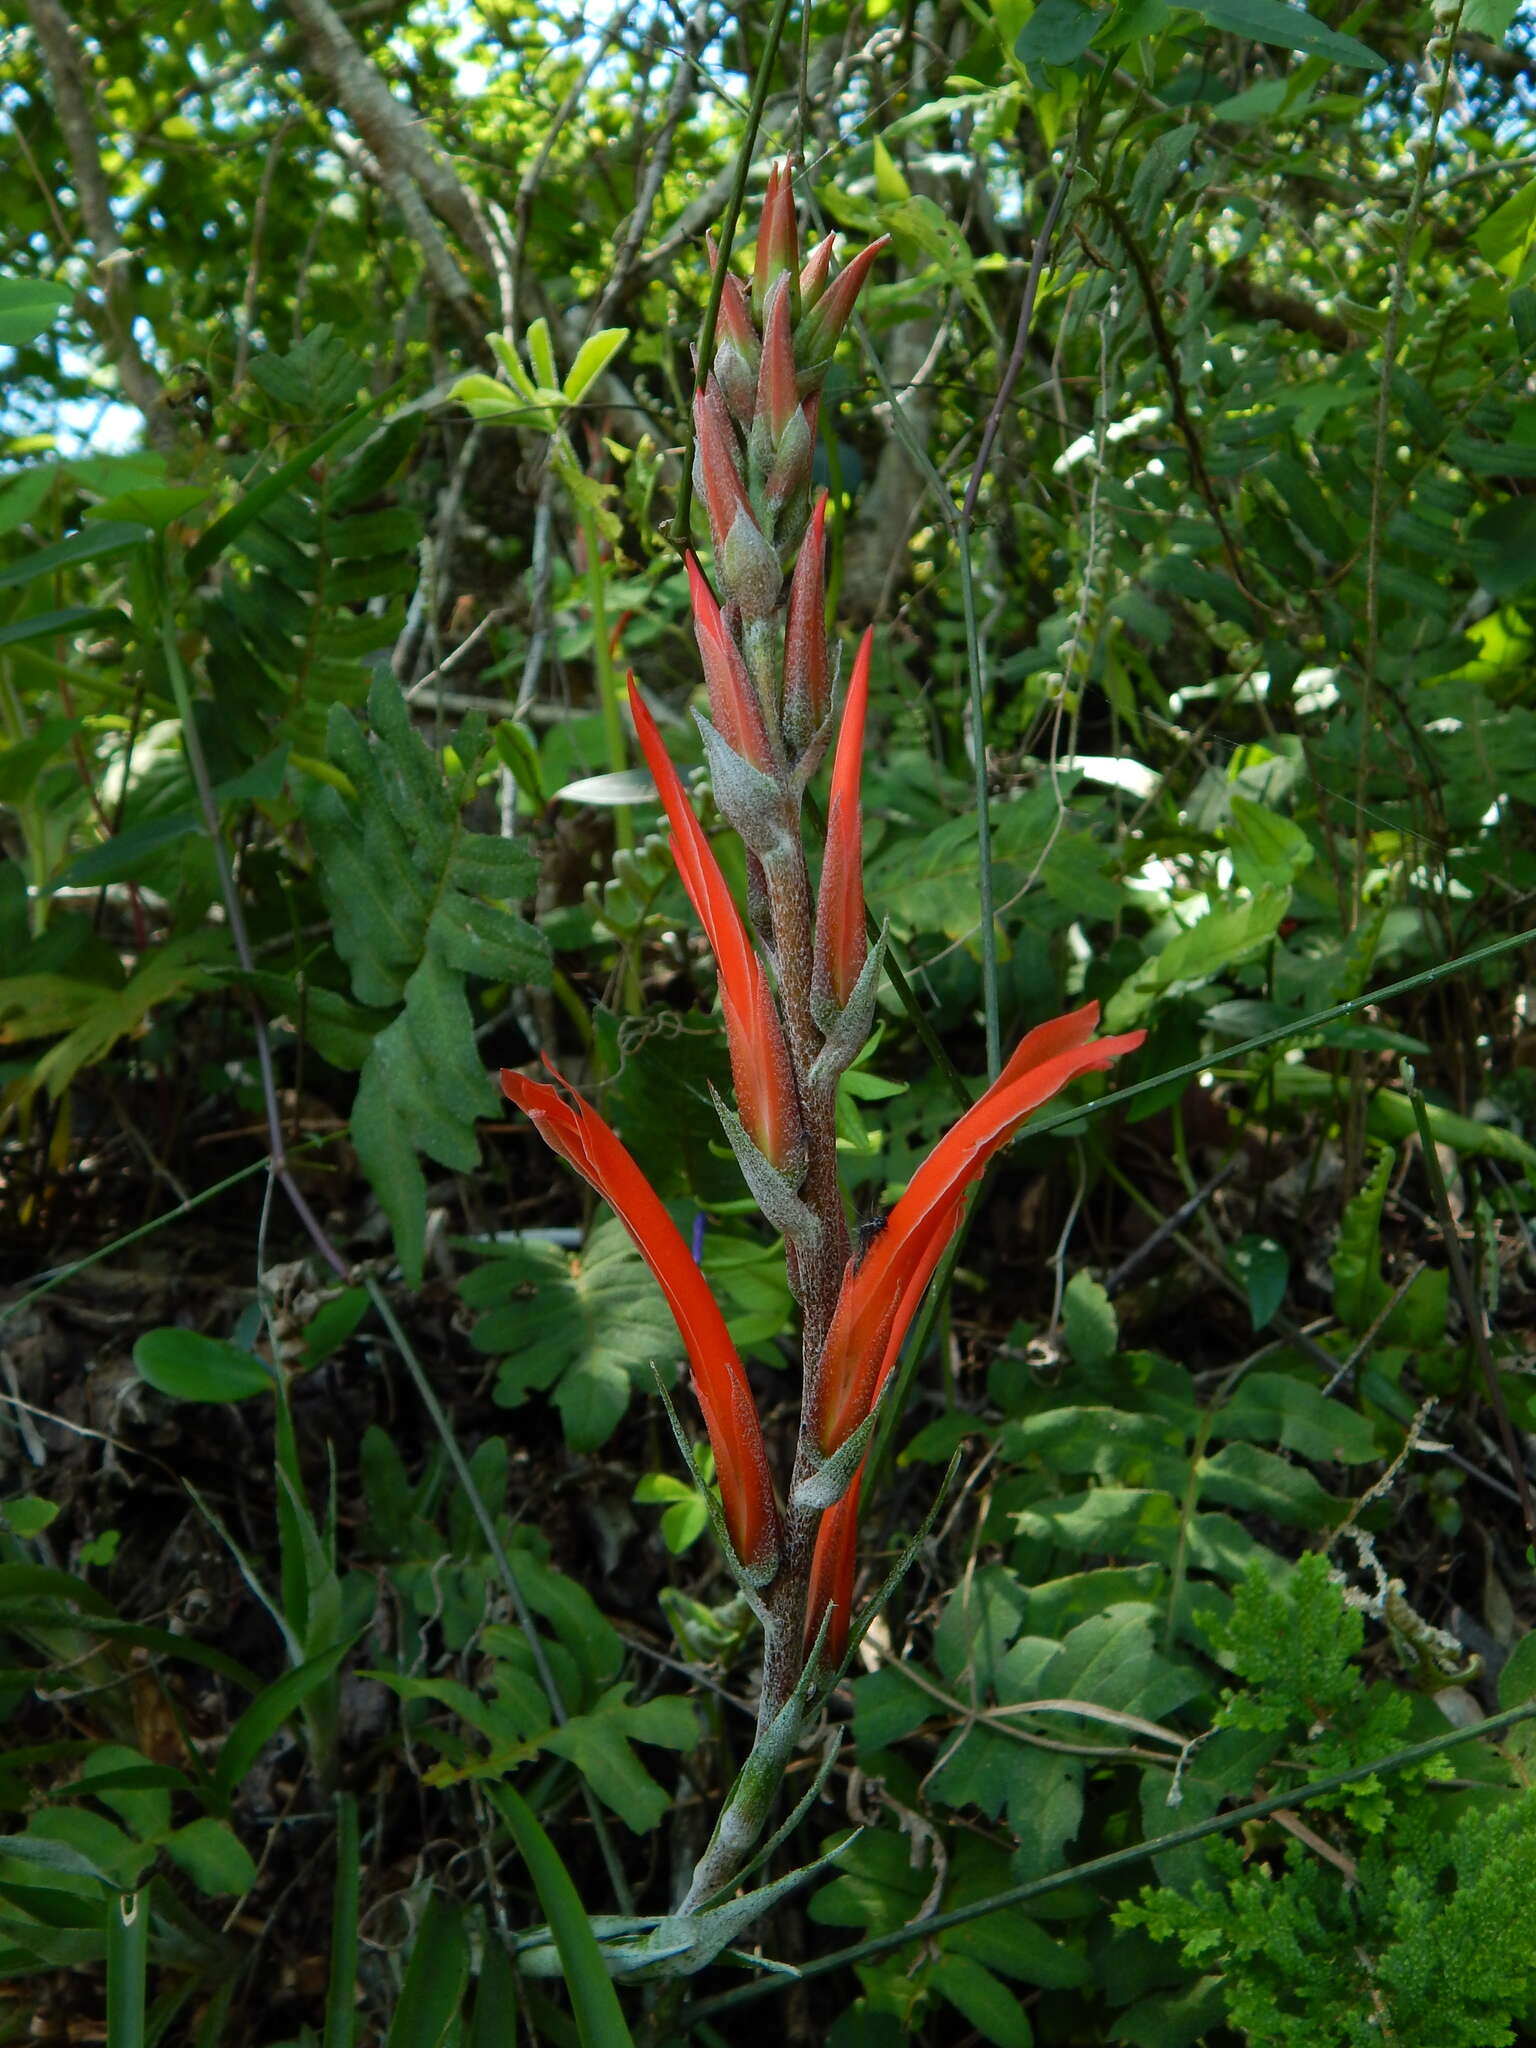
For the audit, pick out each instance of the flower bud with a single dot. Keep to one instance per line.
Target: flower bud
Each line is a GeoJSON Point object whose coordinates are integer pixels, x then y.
{"type": "Point", "coordinates": [733, 702]}
{"type": "Point", "coordinates": [778, 252]}
{"type": "Point", "coordinates": [841, 943]}
{"type": "Point", "coordinates": [817, 336]}
{"type": "Point", "coordinates": [806, 675]}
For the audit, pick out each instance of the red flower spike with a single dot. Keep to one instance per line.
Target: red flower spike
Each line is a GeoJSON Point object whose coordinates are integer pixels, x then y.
{"type": "Point", "coordinates": [778, 251]}
{"type": "Point", "coordinates": [841, 944]}
{"type": "Point", "coordinates": [807, 680]}
{"type": "Point", "coordinates": [575, 1130]}
{"type": "Point", "coordinates": [760, 1065]}
{"type": "Point", "coordinates": [880, 1294]}
{"type": "Point", "coordinates": [832, 1567]}
{"type": "Point", "coordinates": [818, 268]}
{"type": "Point", "coordinates": [734, 704]}
{"type": "Point", "coordinates": [817, 335]}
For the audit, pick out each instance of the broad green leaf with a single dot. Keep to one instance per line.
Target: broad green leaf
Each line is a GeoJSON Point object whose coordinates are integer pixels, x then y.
{"type": "Point", "coordinates": [1268, 849]}
{"type": "Point", "coordinates": [103, 1015]}
{"type": "Point", "coordinates": [486, 398]}
{"type": "Point", "coordinates": [1255, 1481]}
{"type": "Point", "coordinates": [55, 1855]}
{"type": "Point", "coordinates": [1264, 1268]}
{"type": "Point", "coordinates": [1286, 28]}
{"type": "Point", "coordinates": [599, 1744]}
{"type": "Point", "coordinates": [191, 1367]}
{"type": "Point", "coordinates": [589, 1327]}
{"type": "Point", "coordinates": [1088, 1322]}
{"type": "Point", "coordinates": [23, 761]}
{"type": "Point", "coordinates": [28, 307]}
{"type": "Point", "coordinates": [1057, 32]}
{"type": "Point", "coordinates": [1276, 1408]}
{"type": "Point", "coordinates": [1491, 18]}
{"type": "Point", "coordinates": [1225, 935]}
{"type": "Point", "coordinates": [1112, 1659]}
{"type": "Point", "coordinates": [592, 358]}
{"type": "Point", "coordinates": [151, 505]}
{"type": "Point", "coordinates": [982, 2001]}
{"type": "Point", "coordinates": [29, 1515]}
{"type": "Point", "coordinates": [1517, 1681]}
{"type": "Point", "coordinates": [212, 1855]}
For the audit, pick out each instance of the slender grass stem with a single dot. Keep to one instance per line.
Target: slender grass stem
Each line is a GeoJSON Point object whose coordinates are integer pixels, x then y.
{"type": "Point", "coordinates": [1100, 1867]}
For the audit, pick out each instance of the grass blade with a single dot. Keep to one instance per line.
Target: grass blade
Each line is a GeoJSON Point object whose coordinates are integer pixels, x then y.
{"type": "Point", "coordinates": [594, 2001]}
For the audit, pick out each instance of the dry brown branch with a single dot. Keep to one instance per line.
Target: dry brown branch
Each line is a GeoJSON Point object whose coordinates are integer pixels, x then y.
{"type": "Point", "coordinates": [395, 136]}
{"type": "Point", "coordinates": [58, 42]}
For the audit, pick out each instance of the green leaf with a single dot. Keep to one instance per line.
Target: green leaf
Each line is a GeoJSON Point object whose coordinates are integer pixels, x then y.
{"type": "Point", "coordinates": [1225, 935]}
{"type": "Point", "coordinates": [215, 1858]}
{"type": "Point", "coordinates": [1088, 1322]}
{"type": "Point", "coordinates": [92, 544]}
{"type": "Point", "coordinates": [1267, 847]}
{"type": "Point", "coordinates": [436, 1979]}
{"type": "Point", "coordinates": [1517, 1681]}
{"type": "Point", "coordinates": [271, 1707]}
{"type": "Point", "coordinates": [1057, 32]}
{"type": "Point", "coordinates": [1286, 28]}
{"type": "Point", "coordinates": [1491, 18]}
{"type": "Point", "coordinates": [23, 761]}
{"type": "Point", "coordinates": [589, 1327]}
{"type": "Point", "coordinates": [30, 1515]}
{"type": "Point", "coordinates": [28, 307]}
{"type": "Point", "coordinates": [191, 1367]}
{"type": "Point", "coordinates": [1275, 1408]}
{"type": "Point", "coordinates": [592, 358]}
{"type": "Point", "coordinates": [52, 1855]}
{"type": "Point", "coordinates": [1255, 1481]}
{"type": "Point", "coordinates": [982, 2001]}
{"type": "Point", "coordinates": [487, 398]}
{"type": "Point", "coordinates": [152, 505]}
{"type": "Point", "coordinates": [599, 1745]}
{"type": "Point", "coordinates": [68, 619]}
{"type": "Point", "coordinates": [1359, 1292]}
{"type": "Point", "coordinates": [228, 528]}
{"type": "Point", "coordinates": [593, 1998]}
{"type": "Point", "coordinates": [1264, 1268]}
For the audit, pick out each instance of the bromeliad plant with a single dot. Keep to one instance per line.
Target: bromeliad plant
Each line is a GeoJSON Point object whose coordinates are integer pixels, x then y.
{"type": "Point", "coordinates": [798, 993]}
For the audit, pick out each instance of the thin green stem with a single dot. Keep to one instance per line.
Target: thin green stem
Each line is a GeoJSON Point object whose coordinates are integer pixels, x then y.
{"type": "Point", "coordinates": [983, 814]}
{"type": "Point", "coordinates": [1107, 1866]}
{"type": "Point", "coordinates": [1317, 1021]}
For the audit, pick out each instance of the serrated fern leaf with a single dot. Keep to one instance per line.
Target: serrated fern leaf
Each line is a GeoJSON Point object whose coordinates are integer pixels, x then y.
{"type": "Point", "coordinates": [414, 898]}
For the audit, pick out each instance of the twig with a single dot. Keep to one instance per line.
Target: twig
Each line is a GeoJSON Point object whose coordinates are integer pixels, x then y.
{"type": "Point", "coordinates": [397, 139]}
{"type": "Point", "coordinates": [61, 58]}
